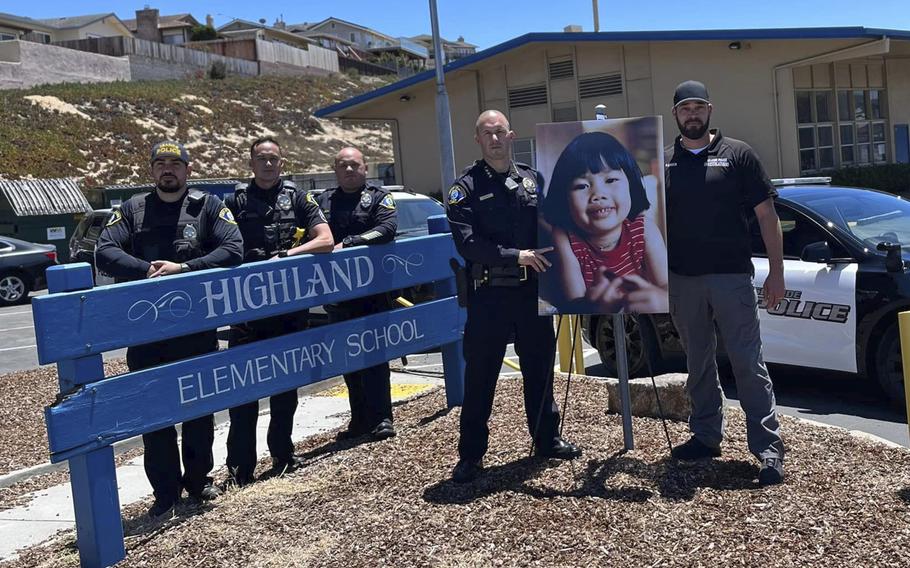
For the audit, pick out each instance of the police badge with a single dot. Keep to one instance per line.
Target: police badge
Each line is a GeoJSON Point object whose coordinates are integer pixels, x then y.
{"type": "Point", "coordinates": [284, 202]}
{"type": "Point", "coordinates": [189, 232]}
{"type": "Point", "coordinates": [366, 200]}
{"type": "Point", "coordinates": [529, 185]}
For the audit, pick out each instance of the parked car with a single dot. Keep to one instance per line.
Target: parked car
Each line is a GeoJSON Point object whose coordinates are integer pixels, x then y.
{"type": "Point", "coordinates": [22, 266]}
{"type": "Point", "coordinates": [85, 236]}
{"type": "Point", "coordinates": [846, 272]}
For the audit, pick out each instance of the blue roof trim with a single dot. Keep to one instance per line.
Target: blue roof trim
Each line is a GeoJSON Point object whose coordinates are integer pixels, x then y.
{"type": "Point", "coordinates": [852, 32]}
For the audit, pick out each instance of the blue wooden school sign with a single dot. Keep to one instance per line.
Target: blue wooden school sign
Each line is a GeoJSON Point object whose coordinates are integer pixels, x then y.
{"type": "Point", "coordinates": [76, 323]}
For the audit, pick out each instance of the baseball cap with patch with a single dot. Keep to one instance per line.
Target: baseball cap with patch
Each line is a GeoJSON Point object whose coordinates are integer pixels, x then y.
{"type": "Point", "coordinates": [690, 91]}
{"type": "Point", "coordinates": [169, 149]}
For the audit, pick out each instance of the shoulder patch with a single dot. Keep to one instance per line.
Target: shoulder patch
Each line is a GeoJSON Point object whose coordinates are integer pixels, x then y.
{"type": "Point", "coordinates": [456, 194]}
{"type": "Point", "coordinates": [388, 202]}
{"type": "Point", "coordinates": [226, 215]}
{"type": "Point", "coordinates": [311, 199]}
{"type": "Point", "coordinates": [115, 218]}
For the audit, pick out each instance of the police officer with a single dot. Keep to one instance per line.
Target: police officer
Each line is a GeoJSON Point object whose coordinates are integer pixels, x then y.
{"type": "Point", "coordinates": [360, 214]}
{"type": "Point", "coordinates": [170, 231]}
{"type": "Point", "coordinates": [276, 220]}
{"type": "Point", "coordinates": [714, 184]}
{"type": "Point", "coordinates": [492, 210]}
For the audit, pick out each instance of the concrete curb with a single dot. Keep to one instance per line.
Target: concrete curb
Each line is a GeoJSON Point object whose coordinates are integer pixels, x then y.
{"type": "Point", "coordinates": [18, 476]}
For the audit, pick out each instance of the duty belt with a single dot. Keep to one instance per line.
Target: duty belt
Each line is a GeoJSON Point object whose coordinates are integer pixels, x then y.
{"type": "Point", "coordinates": [500, 276]}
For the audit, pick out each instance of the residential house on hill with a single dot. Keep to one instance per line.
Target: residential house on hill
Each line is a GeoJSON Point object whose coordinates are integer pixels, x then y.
{"type": "Point", "coordinates": [175, 29]}
{"type": "Point", "coordinates": [66, 28]}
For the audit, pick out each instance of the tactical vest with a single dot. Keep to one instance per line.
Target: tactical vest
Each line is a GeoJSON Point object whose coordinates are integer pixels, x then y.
{"type": "Point", "coordinates": [275, 222]}
{"type": "Point", "coordinates": [189, 233]}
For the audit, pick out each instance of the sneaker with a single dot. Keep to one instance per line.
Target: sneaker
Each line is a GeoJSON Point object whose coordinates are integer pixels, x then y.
{"type": "Point", "coordinates": [560, 450]}
{"type": "Point", "coordinates": [383, 430]}
{"type": "Point", "coordinates": [161, 508]}
{"type": "Point", "coordinates": [771, 473]}
{"type": "Point", "coordinates": [694, 449]}
{"type": "Point", "coordinates": [466, 471]}
{"type": "Point", "coordinates": [281, 467]}
{"type": "Point", "coordinates": [209, 492]}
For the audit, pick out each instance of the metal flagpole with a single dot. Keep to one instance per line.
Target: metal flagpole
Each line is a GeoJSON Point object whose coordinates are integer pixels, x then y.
{"type": "Point", "coordinates": [443, 117]}
{"type": "Point", "coordinates": [622, 361]}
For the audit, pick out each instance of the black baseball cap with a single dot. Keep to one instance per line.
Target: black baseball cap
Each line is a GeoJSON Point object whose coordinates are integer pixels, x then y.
{"type": "Point", "coordinates": [690, 91]}
{"type": "Point", "coordinates": [170, 149]}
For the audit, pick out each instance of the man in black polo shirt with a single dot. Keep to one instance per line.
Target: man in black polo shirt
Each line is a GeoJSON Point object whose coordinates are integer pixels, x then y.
{"type": "Point", "coordinates": [714, 184]}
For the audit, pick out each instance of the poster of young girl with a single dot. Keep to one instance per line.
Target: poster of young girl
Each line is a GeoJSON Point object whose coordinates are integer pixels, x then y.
{"type": "Point", "coordinates": [603, 212]}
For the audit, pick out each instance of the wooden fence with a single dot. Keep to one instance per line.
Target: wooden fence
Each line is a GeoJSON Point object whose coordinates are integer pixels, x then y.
{"type": "Point", "coordinates": [124, 46]}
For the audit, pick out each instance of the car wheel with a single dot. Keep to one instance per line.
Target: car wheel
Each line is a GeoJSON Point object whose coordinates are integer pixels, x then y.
{"type": "Point", "coordinates": [889, 368]}
{"type": "Point", "coordinates": [13, 289]}
{"type": "Point", "coordinates": [606, 347]}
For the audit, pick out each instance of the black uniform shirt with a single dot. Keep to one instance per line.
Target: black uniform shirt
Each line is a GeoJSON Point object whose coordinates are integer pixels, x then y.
{"type": "Point", "coordinates": [493, 216]}
{"type": "Point", "coordinates": [367, 216]}
{"type": "Point", "coordinates": [306, 213]}
{"type": "Point", "coordinates": [222, 245]}
{"type": "Point", "coordinates": [710, 197]}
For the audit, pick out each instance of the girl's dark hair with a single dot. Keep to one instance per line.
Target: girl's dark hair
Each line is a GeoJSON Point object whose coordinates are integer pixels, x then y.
{"type": "Point", "coordinates": [589, 152]}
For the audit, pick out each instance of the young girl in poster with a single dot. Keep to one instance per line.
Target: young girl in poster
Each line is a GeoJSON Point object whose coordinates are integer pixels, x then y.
{"type": "Point", "coordinates": [611, 256]}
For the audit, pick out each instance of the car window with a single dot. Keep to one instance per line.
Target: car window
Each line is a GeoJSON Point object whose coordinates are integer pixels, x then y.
{"type": "Point", "coordinates": [6, 246]}
{"type": "Point", "coordinates": [798, 231]}
{"type": "Point", "coordinates": [870, 216]}
{"type": "Point", "coordinates": [413, 213]}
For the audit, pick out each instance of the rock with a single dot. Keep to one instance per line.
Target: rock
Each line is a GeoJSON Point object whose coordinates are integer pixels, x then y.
{"type": "Point", "coordinates": [671, 388]}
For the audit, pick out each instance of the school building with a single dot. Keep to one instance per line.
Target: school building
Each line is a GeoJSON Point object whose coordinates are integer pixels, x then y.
{"type": "Point", "coordinates": [807, 99]}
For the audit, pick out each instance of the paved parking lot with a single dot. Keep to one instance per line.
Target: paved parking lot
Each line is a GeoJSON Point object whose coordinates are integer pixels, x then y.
{"type": "Point", "coordinates": [17, 339]}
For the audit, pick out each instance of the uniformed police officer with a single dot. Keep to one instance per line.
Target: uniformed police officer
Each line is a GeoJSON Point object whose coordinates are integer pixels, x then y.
{"type": "Point", "coordinates": [170, 231]}
{"type": "Point", "coordinates": [361, 214]}
{"type": "Point", "coordinates": [714, 183]}
{"type": "Point", "coordinates": [492, 210]}
{"type": "Point", "coordinates": [276, 220]}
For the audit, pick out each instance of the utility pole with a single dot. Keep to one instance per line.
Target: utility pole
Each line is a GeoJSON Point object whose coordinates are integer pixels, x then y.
{"type": "Point", "coordinates": [596, 17]}
{"type": "Point", "coordinates": [443, 116]}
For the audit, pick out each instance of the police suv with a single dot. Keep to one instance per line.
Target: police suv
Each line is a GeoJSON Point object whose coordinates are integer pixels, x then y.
{"type": "Point", "coordinates": [846, 273]}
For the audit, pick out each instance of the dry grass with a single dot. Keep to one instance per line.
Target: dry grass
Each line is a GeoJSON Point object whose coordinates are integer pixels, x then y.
{"type": "Point", "coordinates": [846, 502]}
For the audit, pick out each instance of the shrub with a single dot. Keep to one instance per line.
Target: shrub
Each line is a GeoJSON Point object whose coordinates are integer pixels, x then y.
{"type": "Point", "coordinates": [893, 178]}
{"type": "Point", "coordinates": [203, 33]}
{"type": "Point", "coordinates": [218, 70]}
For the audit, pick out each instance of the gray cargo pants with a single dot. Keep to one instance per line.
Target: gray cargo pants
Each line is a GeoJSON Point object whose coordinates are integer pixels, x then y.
{"type": "Point", "coordinates": [696, 304]}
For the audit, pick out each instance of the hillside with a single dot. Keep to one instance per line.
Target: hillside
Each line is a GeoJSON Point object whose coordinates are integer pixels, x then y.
{"type": "Point", "coordinates": [102, 132]}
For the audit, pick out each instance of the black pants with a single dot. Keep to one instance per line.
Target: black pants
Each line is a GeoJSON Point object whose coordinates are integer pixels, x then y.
{"type": "Point", "coordinates": [493, 314]}
{"type": "Point", "coordinates": [370, 389]}
{"type": "Point", "coordinates": [162, 459]}
{"type": "Point", "coordinates": [241, 442]}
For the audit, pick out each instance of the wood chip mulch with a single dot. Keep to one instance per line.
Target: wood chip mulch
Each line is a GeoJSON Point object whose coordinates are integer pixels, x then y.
{"type": "Point", "coordinates": [23, 396]}
{"type": "Point", "coordinates": [846, 502]}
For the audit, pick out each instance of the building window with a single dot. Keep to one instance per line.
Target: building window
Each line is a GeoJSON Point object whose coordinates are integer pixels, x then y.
{"type": "Point", "coordinates": [845, 128]}
{"type": "Point", "coordinates": [523, 151]}
{"type": "Point", "coordinates": [6, 37]}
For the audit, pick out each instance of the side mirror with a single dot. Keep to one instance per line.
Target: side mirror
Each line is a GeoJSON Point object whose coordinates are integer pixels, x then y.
{"type": "Point", "coordinates": [893, 260]}
{"type": "Point", "coordinates": [816, 252]}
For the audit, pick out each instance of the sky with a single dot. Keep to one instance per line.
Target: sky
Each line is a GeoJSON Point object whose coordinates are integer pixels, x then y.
{"type": "Point", "coordinates": [486, 23]}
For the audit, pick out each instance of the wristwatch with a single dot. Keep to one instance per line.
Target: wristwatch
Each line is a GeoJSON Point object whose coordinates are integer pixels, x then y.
{"type": "Point", "coordinates": [282, 254]}
{"type": "Point", "coordinates": [347, 241]}
{"type": "Point", "coordinates": [184, 267]}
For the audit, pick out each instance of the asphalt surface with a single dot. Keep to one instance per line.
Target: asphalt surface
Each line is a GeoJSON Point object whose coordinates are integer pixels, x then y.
{"type": "Point", "coordinates": [833, 398]}
{"type": "Point", "coordinates": [17, 339]}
